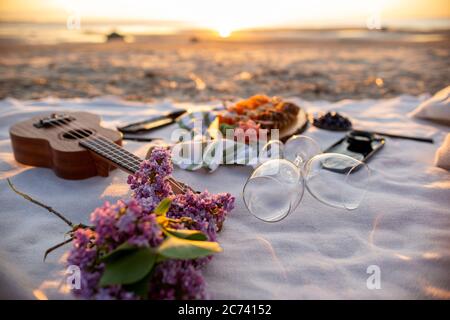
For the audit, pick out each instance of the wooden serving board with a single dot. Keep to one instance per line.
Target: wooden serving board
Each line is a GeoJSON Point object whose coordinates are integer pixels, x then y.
{"type": "Point", "coordinates": [296, 128]}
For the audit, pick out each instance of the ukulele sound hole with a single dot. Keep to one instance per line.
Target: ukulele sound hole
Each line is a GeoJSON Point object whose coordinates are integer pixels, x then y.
{"type": "Point", "coordinates": [77, 134]}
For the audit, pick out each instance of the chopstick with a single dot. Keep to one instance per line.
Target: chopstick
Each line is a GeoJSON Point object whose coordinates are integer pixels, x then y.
{"type": "Point", "coordinates": [137, 138]}
{"type": "Point", "coordinates": [152, 123]}
{"type": "Point", "coordinates": [397, 136]}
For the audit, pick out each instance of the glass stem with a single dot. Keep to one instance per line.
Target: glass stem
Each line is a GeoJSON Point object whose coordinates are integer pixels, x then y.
{"type": "Point", "coordinates": [298, 161]}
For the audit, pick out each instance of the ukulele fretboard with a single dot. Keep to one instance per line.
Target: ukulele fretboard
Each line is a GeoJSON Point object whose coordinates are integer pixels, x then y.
{"type": "Point", "coordinates": [123, 159]}
{"type": "Point", "coordinates": [113, 152]}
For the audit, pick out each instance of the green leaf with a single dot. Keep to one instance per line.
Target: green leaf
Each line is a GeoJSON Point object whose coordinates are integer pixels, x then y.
{"type": "Point", "coordinates": [160, 258]}
{"type": "Point", "coordinates": [224, 127]}
{"type": "Point", "coordinates": [188, 234]}
{"type": "Point", "coordinates": [177, 248]}
{"type": "Point", "coordinates": [163, 207]}
{"type": "Point", "coordinates": [141, 287]}
{"type": "Point", "coordinates": [128, 268]}
{"type": "Point", "coordinates": [118, 251]}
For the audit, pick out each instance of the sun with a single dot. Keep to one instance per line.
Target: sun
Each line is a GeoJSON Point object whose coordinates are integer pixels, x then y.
{"type": "Point", "coordinates": [224, 32]}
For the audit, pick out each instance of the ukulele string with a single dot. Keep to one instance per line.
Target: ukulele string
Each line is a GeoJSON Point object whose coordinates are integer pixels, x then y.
{"type": "Point", "coordinates": [103, 146]}
{"type": "Point", "coordinates": [109, 149]}
{"type": "Point", "coordinates": [122, 152]}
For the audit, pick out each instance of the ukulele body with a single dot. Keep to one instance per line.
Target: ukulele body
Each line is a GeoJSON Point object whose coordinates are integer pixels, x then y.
{"type": "Point", "coordinates": [57, 147]}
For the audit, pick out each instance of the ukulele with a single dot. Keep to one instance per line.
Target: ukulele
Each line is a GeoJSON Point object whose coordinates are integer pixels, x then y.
{"type": "Point", "coordinates": [75, 146]}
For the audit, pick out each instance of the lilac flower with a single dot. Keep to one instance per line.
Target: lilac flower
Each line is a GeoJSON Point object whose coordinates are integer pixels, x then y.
{"type": "Point", "coordinates": [177, 279]}
{"type": "Point", "coordinates": [150, 181]}
{"type": "Point", "coordinates": [84, 255]}
{"type": "Point", "coordinates": [113, 225]}
{"type": "Point", "coordinates": [150, 186]}
{"type": "Point", "coordinates": [206, 210]}
{"type": "Point", "coordinates": [126, 223]}
{"type": "Point", "coordinates": [134, 222]}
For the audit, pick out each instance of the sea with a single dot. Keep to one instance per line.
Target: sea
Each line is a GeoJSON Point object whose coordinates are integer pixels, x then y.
{"type": "Point", "coordinates": [79, 32]}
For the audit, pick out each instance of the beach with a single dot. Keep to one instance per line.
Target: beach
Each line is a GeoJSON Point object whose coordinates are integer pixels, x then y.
{"type": "Point", "coordinates": [173, 67]}
{"type": "Point", "coordinates": [395, 245]}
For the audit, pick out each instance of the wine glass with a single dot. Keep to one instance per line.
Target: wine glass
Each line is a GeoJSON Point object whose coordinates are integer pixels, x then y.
{"type": "Point", "coordinates": [276, 186]}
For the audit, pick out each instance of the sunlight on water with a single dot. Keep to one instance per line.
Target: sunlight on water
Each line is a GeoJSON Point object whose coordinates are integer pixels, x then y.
{"type": "Point", "coordinates": [224, 32]}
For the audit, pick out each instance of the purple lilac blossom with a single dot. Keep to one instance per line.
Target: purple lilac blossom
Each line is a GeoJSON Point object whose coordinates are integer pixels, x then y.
{"type": "Point", "coordinates": [133, 222]}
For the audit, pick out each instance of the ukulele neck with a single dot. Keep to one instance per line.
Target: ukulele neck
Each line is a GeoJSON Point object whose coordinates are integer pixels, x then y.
{"type": "Point", "coordinates": [113, 153]}
{"type": "Point", "coordinates": [122, 159]}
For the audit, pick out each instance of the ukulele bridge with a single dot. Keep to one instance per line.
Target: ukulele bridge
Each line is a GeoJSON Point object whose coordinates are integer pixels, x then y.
{"type": "Point", "coordinates": [53, 120]}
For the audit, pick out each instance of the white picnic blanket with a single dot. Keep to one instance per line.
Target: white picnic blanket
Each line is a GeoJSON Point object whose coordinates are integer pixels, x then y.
{"type": "Point", "coordinates": [403, 227]}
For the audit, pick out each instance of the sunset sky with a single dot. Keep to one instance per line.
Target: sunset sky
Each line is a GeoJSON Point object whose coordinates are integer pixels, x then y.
{"type": "Point", "coordinates": [228, 14]}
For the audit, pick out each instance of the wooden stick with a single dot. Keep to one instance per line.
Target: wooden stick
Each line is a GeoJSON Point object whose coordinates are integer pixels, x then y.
{"type": "Point", "coordinates": [48, 208]}
{"type": "Point", "coordinates": [49, 250]}
{"type": "Point", "coordinates": [429, 140]}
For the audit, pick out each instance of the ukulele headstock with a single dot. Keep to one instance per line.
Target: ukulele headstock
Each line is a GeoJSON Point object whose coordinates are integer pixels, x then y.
{"type": "Point", "coordinates": [54, 119]}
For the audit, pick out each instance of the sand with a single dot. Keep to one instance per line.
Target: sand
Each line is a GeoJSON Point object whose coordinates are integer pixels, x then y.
{"type": "Point", "coordinates": [164, 67]}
